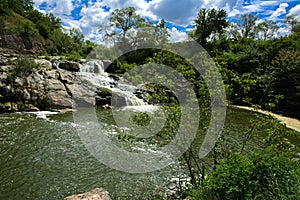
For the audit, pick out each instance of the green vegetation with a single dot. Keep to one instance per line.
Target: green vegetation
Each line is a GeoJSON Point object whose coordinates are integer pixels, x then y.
{"type": "Point", "coordinates": [258, 69]}
{"type": "Point", "coordinates": [24, 65]}
{"type": "Point", "coordinates": [19, 18]}
{"type": "Point", "coordinates": [252, 176]}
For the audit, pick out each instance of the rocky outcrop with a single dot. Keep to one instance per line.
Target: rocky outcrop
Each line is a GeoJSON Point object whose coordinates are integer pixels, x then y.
{"type": "Point", "coordinates": [96, 194]}
{"type": "Point", "coordinates": [19, 44]}
{"type": "Point", "coordinates": [47, 87]}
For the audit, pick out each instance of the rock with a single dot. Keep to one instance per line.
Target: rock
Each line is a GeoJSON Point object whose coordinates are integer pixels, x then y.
{"type": "Point", "coordinates": [109, 66]}
{"type": "Point", "coordinates": [103, 97]}
{"type": "Point", "coordinates": [82, 93]}
{"type": "Point", "coordinates": [55, 85]}
{"type": "Point", "coordinates": [46, 64]}
{"type": "Point", "coordinates": [106, 106]}
{"type": "Point", "coordinates": [31, 108]}
{"type": "Point", "coordinates": [26, 95]}
{"type": "Point", "coordinates": [11, 41]}
{"type": "Point", "coordinates": [59, 100]}
{"type": "Point", "coordinates": [67, 77]}
{"type": "Point", "coordinates": [20, 44]}
{"type": "Point", "coordinates": [95, 194]}
{"type": "Point", "coordinates": [70, 66]}
{"type": "Point", "coordinates": [118, 100]}
{"type": "Point", "coordinates": [57, 94]}
{"type": "Point", "coordinates": [9, 107]}
{"type": "Point", "coordinates": [102, 101]}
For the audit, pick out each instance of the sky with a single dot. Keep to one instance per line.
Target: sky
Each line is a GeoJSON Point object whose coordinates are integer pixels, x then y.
{"type": "Point", "coordinates": [87, 15]}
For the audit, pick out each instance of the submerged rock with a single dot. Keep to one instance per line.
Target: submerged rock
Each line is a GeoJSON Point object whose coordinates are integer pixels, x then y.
{"type": "Point", "coordinates": [95, 194]}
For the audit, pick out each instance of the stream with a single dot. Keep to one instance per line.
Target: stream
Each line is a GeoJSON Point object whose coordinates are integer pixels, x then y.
{"type": "Point", "coordinates": [42, 156]}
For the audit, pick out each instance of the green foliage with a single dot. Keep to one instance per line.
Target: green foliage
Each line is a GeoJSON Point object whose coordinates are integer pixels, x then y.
{"type": "Point", "coordinates": [123, 20]}
{"type": "Point", "coordinates": [20, 18]}
{"type": "Point", "coordinates": [77, 35]}
{"type": "Point", "coordinates": [284, 76]}
{"type": "Point", "coordinates": [209, 22]}
{"type": "Point", "coordinates": [293, 23]}
{"type": "Point", "coordinates": [253, 176]}
{"type": "Point", "coordinates": [141, 119]}
{"type": "Point", "coordinates": [267, 30]}
{"type": "Point", "coordinates": [24, 65]}
{"type": "Point", "coordinates": [104, 92]}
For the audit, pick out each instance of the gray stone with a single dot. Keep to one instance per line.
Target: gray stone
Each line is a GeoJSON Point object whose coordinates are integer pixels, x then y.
{"type": "Point", "coordinates": [59, 99]}
{"type": "Point", "coordinates": [70, 66]}
{"type": "Point", "coordinates": [95, 194]}
{"type": "Point", "coordinates": [46, 64]}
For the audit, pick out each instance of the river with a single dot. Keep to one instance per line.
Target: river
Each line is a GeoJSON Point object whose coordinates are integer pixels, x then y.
{"type": "Point", "coordinates": [46, 159]}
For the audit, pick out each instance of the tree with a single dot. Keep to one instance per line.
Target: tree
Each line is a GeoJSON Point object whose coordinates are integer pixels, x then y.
{"type": "Point", "coordinates": [127, 28]}
{"type": "Point", "coordinates": [292, 22]}
{"type": "Point", "coordinates": [77, 35]}
{"type": "Point", "coordinates": [247, 25]}
{"type": "Point", "coordinates": [284, 75]}
{"type": "Point", "coordinates": [266, 30]}
{"type": "Point", "coordinates": [162, 33]}
{"type": "Point", "coordinates": [209, 22]}
{"type": "Point", "coordinates": [121, 21]}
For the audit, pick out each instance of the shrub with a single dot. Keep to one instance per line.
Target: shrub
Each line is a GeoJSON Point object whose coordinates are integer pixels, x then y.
{"type": "Point", "coordinates": [24, 65]}
{"type": "Point", "coordinates": [253, 176]}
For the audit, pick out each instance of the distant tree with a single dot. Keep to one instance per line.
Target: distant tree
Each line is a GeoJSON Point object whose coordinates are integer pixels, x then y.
{"type": "Point", "coordinates": [20, 6]}
{"type": "Point", "coordinates": [121, 21]}
{"type": "Point", "coordinates": [293, 23]}
{"type": "Point", "coordinates": [267, 29]}
{"type": "Point", "coordinates": [161, 31]}
{"type": "Point", "coordinates": [77, 35]}
{"type": "Point", "coordinates": [209, 22]}
{"type": "Point", "coordinates": [233, 32]}
{"type": "Point", "coordinates": [126, 27]}
{"type": "Point", "coordinates": [247, 25]}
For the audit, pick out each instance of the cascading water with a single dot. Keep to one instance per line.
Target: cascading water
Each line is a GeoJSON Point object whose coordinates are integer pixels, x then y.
{"type": "Point", "coordinates": [93, 71]}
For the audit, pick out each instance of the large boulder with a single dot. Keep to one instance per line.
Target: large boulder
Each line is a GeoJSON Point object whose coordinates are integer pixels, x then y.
{"type": "Point", "coordinates": [95, 194]}
{"type": "Point", "coordinates": [69, 66]}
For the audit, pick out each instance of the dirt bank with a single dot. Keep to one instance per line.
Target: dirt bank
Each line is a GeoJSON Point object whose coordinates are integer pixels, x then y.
{"type": "Point", "coordinates": [290, 122]}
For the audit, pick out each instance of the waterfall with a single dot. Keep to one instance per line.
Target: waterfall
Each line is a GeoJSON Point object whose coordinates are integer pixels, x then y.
{"type": "Point", "coordinates": [93, 71]}
{"type": "Point", "coordinates": [94, 66]}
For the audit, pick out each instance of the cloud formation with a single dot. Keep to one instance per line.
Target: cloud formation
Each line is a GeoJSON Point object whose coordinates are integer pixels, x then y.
{"type": "Point", "coordinates": [280, 11]}
{"type": "Point", "coordinates": [89, 14]}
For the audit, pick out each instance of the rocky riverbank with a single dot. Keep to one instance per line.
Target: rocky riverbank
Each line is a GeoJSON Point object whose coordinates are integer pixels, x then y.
{"type": "Point", "coordinates": [45, 86]}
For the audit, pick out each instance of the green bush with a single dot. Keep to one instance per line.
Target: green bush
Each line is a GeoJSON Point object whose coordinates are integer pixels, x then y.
{"type": "Point", "coordinates": [24, 65]}
{"type": "Point", "coordinates": [254, 176]}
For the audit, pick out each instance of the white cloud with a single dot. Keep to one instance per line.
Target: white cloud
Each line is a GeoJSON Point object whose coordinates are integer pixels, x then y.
{"type": "Point", "coordinates": [280, 11]}
{"type": "Point", "coordinates": [179, 12]}
{"type": "Point", "coordinates": [177, 36]}
{"type": "Point", "coordinates": [269, 3]}
{"type": "Point", "coordinates": [58, 7]}
{"type": "Point", "coordinates": [295, 10]}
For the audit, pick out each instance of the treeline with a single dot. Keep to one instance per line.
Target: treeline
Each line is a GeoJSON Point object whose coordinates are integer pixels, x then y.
{"type": "Point", "coordinates": [20, 18]}
{"type": "Point", "coordinates": [258, 66]}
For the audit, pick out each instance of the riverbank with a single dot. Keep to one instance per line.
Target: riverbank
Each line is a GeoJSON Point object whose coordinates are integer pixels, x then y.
{"type": "Point", "coordinates": [289, 122]}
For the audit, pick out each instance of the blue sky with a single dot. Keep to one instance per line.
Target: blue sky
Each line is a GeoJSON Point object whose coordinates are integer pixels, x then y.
{"type": "Point", "coordinates": [179, 14]}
